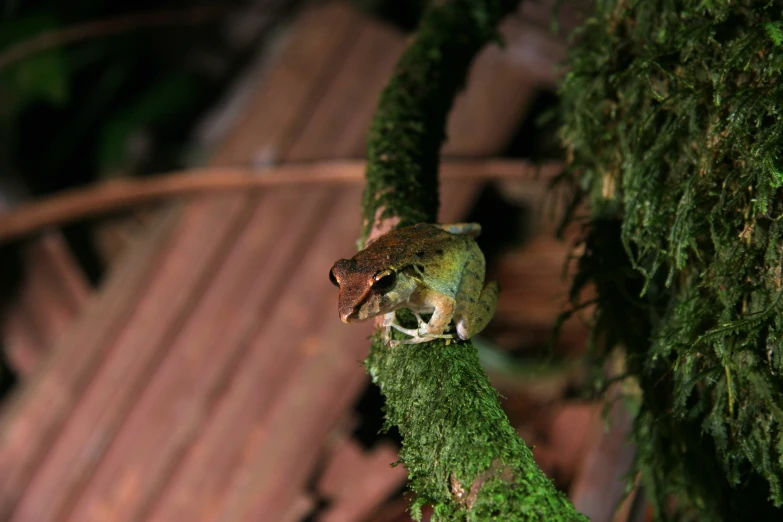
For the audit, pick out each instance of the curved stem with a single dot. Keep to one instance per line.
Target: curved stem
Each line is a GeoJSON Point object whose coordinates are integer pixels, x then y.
{"type": "Point", "coordinates": [117, 194]}
{"type": "Point", "coordinates": [107, 27]}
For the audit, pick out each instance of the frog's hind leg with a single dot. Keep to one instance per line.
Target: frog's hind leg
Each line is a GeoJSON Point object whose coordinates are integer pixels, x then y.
{"type": "Point", "coordinates": [476, 302]}
{"type": "Point", "coordinates": [469, 325]}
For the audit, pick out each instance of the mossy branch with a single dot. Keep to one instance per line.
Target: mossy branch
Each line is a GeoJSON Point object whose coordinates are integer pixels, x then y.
{"type": "Point", "coordinates": [409, 125]}
{"type": "Point", "coordinates": [463, 456]}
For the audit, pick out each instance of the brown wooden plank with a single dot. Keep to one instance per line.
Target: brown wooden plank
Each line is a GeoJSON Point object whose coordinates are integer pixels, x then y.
{"type": "Point", "coordinates": [112, 236]}
{"type": "Point", "coordinates": [356, 482]}
{"type": "Point", "coordinates": [29, 422]}
{"type": "Point", "coordinates": [356, 88]}
{"type": "Point", "coordinates": [173, 408]}
{"type": "Point", "coordinates": [52, 293]}
{"type": "Point", "coordinates": [396, 510]}
{"type": "Point", "coordinates": [299, 509]}
{"type": "Point", "coordinates": [487, 113]}
{"type": "Point", "coordinates": [220, 218]}
{"type": "Point", "coordinates": [135, 353]}
{"type": "Point", "coordinates": [534, 51]}
{"type": "Point", "coordinates": [122, 502]}
{"type": "Point", "coordinates": [599, 488]}
{"type": "Point", "coordinates": [221, 459]}
{"type": "Point", "coordinates": [536, 291]}
{"type": "Point", "coordinates": [456, 198]}
{"type": "Point", "coordinates": [339, 124]}
{"type": "Point", "coordinates": [62, 269]}
{"type": "Point", "coordinates": [357, 85]}
{"type": "Point", "coordinates": [501, 85]}
{"type": "Point", "coordinates": [568, 428]}
{"type": "Point", "coordinates": [317, 45]}
{"type": "Point", "coordinates": [282, 462]}
{"type": "Point", "coordinates": [23, 346]}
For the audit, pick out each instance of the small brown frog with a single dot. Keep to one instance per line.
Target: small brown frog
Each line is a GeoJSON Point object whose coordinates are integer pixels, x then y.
{"type": "Point", "coordinates": [427, 268]}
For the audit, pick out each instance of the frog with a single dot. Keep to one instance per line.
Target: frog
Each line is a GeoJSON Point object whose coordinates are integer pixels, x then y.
{"type": "Point", "coordinates": [428, 268]}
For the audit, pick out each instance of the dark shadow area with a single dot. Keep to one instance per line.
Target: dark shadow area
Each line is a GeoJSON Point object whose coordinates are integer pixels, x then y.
{"type": "Point", "coordinates": [10, 279]}
{"type": "Point", "coordinates": [320, 506]}
{"type": "Point", "coordinates": [8, 377]}
{"type": "Point", "coordinates": [536, 136]}
{"type": "Point", "coordinates": [505, 224]}
{"type": "Point", "coordinates": [369, 411]}
{"type": "Point", "coordinates": [403, 14]}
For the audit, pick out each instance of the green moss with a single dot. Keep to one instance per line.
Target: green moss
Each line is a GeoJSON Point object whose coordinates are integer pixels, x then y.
{"type": "Point", "coordinates": [455, 434]}
{"type": "Point", "coordinates": [673, 117]}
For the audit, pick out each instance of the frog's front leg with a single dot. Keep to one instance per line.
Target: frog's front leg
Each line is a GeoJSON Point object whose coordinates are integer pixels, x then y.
{"type": "Point", "coordinates": [416, 336]}
{"type": "Point", "coordinates": [390, 321]}
{"type": "Point", "coordinates": [443, 307]}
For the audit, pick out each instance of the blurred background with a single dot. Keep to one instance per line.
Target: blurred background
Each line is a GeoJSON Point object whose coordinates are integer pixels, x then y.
{"type": "Point", "coordinates": [183, 359]}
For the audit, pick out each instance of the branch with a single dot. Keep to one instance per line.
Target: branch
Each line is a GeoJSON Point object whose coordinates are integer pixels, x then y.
{"type": "Point", "coordinates": [462, 455]}
{"type": "Point", "coordinates": [71, 205]}
{"type": "Point", "coordinates": [106, 27]}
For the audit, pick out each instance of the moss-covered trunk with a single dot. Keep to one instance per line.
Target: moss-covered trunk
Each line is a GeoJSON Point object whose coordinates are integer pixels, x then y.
{"type": "Point", "coordinates": [673, 117]}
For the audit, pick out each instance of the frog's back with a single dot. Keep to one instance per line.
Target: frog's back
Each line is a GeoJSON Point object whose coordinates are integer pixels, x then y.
{"type": "Point", "coordinates": [422, 243]}
{"type": "Point", "coordinates": [433, 255]}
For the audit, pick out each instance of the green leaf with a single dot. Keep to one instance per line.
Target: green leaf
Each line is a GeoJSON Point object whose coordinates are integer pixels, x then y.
{"type": "Point", "coordinates": [775, 32]}
{"type": "Point", "coordinates": [161, 101]}
{"type": "Point", "coordinates": [42, 76]}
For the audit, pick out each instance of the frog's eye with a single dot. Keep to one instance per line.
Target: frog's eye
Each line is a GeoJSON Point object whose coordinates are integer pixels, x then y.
{"type": "Point", "coordinates": [332, 278]}
{"type": "Point", "coordinates": [384, 281]}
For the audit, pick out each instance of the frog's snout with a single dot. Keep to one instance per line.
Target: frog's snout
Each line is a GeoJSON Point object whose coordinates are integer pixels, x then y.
{"type": "Point", "coordinates": [348, 313]}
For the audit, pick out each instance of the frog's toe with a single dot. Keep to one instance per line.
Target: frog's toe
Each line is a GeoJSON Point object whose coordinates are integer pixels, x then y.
{"type": "Point", "coordinates": [413, 332]}
{"type": "Point", "coordinates": [463, 332]}
{"type": "Point", "coordinates": [426, 330]}
{"type": "Point", "coordinates": [416, 338]}
{"type": "Point", "coordinates": [428, 335]}
{"type": "Point", "coordinates": [412, 340]}
{"type": "Point", "coordinates": [422, 339]}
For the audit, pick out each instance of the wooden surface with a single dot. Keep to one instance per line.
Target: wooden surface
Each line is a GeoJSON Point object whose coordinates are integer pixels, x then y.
{"type": "Point", "coordinates": [51, 295]}
{"type": "Point", "coordinates": [209, 377]}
